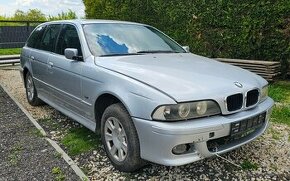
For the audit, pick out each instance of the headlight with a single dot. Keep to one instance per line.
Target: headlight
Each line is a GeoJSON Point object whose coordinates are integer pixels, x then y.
{"type": "Point", "coordinates": [184, 111]}
{"type": "Point", "coordinates": [264, 93]}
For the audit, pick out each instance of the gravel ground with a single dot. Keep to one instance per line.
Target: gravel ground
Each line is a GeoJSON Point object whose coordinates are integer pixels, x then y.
{"type": "Point", "coordinates": [24, 153]}
{"type": "Point", "coordinates": [267, 158]}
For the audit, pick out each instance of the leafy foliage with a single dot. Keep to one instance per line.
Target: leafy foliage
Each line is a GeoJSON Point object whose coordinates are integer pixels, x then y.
{"type": "Point", "coordinates": [219, 28]}
{"type": "Point", "coordinates": [63, 15]}
{"type": "Point", "coordinates": [37, 15]}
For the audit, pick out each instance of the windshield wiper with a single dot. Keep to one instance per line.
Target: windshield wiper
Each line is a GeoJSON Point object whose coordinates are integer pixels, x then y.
{"type": "Point", "coordinates": [139, 53]}
{"type": "Point", "coordinates": [157, 51]}
{"type": "Point", "coordinates": [119, 54]}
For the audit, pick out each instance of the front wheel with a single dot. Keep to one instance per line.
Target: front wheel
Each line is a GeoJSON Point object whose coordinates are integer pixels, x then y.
{"type": "Point", "coordinates": [31, 93]}
{"type": "Point", "coordinates": [120, 139]}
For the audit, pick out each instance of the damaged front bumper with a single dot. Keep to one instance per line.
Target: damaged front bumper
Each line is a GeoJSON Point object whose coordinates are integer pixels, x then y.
{"type": "Point", "coordinates": [202, 137]}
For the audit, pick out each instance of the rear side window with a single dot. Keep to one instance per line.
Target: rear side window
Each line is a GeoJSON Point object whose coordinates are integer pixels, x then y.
{"type": "Point", "coordinates": [49, 39]}
{"type": "Point", "coordinates": [34, 38]}
{"type": "Point", "coordinates": [68, 38]}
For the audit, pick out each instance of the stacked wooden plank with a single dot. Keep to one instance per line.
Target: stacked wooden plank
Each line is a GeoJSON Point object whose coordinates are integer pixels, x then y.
{"type": "Point", "coordinates": [267, 69]}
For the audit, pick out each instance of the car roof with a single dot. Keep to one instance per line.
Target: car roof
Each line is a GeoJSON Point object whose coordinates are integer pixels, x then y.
{"type": "Point", "coordinates": [92, 21]}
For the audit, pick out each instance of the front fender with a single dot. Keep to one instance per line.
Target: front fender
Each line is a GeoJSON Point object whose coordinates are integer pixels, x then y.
{"type": "Point", "coordinates": [139, 98]}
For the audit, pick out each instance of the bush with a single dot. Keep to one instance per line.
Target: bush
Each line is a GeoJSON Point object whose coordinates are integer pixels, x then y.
{"type": "Point", "coordinates": [220, 28]}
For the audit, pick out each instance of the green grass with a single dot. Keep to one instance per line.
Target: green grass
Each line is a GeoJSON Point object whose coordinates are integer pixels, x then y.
{"type": "Point", "coordinates": [248, 165]}
{"type": "Point", "coordinates": [281, 114]}
{"type": "Point", "coordinates": [56, 170]}
{"type": "Point", "coordinates": [280, 91]}
{"type": "Point", "coordinates": [80, 140]}
{"type": "Point", "coordinates": [15, 154]}
{"type": "Point", "coordinates": [59, 174]}
{"type": "Point", "coordinates": [10, 51]}
{"type": "Point", "coordinates": [36, 132]}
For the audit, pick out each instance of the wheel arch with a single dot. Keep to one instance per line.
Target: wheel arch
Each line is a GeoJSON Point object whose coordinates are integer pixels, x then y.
{"type": "Point", "coordinates": [25, 71]}
{"type": "Point", "coordinates": [102, 102]}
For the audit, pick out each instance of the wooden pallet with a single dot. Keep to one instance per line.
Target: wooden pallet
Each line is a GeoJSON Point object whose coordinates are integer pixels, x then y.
{"type": "Point", "coordinates": [267, 69]}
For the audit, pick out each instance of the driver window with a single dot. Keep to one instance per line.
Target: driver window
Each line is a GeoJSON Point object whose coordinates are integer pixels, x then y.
{"type": "Point", "coordinates": [68, 38]}
{"type": "Point", "coordinates": [49, 38]}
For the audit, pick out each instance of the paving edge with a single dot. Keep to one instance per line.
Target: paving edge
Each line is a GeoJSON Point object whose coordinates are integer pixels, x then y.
{"type": "Point", "coordinates": [64, 155]}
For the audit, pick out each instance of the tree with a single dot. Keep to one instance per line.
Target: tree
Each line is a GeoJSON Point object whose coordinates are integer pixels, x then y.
{"type": "Point", "coordinates": [19, 15]}
{"type": "Point", "coordinates": [63, 15]}
{"type": "Point", "coordinates": [35, 15]}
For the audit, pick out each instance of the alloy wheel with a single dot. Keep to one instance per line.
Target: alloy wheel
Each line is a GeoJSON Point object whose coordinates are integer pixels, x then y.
{"type": "Point", "coordinates": [116, 139]}
{"type": "Point", "coordinates": [30, 88]}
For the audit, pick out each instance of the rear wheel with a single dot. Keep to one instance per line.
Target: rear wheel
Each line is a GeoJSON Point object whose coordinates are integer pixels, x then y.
{"type": "Point", "coordinates": [120, 139]}
{"type": "Point", "coordinates": [31, 93]}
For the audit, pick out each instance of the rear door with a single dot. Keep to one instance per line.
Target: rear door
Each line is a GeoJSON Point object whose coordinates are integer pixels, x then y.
{"type": "Point", "coordinates": [40, 56]}
{"type": "Point", "coordinates": [36, 57]}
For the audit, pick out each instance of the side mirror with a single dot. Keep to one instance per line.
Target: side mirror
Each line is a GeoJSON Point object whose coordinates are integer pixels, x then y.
{"type": "Point", "coordinates": [186, 48]}
{"type": "Point", "coordinates": [72, 54]}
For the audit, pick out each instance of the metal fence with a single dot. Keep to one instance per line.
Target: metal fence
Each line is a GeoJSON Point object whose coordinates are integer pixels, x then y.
{"type": "Point", "coordinates": [13, 34]}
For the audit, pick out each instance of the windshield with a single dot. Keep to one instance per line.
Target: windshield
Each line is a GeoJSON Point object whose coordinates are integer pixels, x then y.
{"type": "Point", "coordinates": [105, 39]}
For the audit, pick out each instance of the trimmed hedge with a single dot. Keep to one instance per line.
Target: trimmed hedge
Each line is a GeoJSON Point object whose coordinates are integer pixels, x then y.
{"type": "Point", "coordinates": [248, 29]}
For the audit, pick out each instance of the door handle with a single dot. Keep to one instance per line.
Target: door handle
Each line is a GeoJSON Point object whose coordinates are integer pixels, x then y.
{"type": "Point", "coordinates": [50, 64]}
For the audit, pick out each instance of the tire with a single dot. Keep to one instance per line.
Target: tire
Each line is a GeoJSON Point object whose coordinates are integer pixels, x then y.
{"type": "Point", "coordinates": [31, 92]}
{"type": "Point", "coordinates": [116, 116]}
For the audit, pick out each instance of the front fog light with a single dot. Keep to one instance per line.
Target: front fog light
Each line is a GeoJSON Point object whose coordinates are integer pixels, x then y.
{"type": "Point", "coordinates": [180, 149]}
{"type": "Point", "coordinates": [183, 110]}
{"type": "Point", "coordinates": [201, 108]}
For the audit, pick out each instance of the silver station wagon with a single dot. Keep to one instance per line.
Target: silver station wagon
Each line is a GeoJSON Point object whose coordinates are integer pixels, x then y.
{"type": "Point", "coordinates": [149, 98]}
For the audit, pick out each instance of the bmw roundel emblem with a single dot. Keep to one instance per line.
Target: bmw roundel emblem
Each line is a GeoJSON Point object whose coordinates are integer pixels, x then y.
{"type": "Point", "coordinates": [238, 84]}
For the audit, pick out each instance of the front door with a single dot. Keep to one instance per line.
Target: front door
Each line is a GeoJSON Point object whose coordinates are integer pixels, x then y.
{"type": "Point", "coordinates": [65, 74]}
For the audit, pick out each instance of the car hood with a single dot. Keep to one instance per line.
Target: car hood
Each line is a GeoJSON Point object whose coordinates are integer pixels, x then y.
{"type": "Point", "coordinates": [183, 76]}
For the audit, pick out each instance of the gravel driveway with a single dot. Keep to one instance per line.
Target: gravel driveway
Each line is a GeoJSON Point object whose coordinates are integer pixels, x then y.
{"type": "Point", "coordinates": [267, 158]}
{"type": "Point", "coordinates": [24, 154]}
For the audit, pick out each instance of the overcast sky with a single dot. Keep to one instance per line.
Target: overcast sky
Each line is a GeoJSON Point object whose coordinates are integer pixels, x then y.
{"type": "Point", "coordinates": [48, 7]}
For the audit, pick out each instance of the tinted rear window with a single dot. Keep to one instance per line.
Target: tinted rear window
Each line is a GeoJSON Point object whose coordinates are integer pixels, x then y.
{"type": "Point", "coordinates": [36, 35]}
